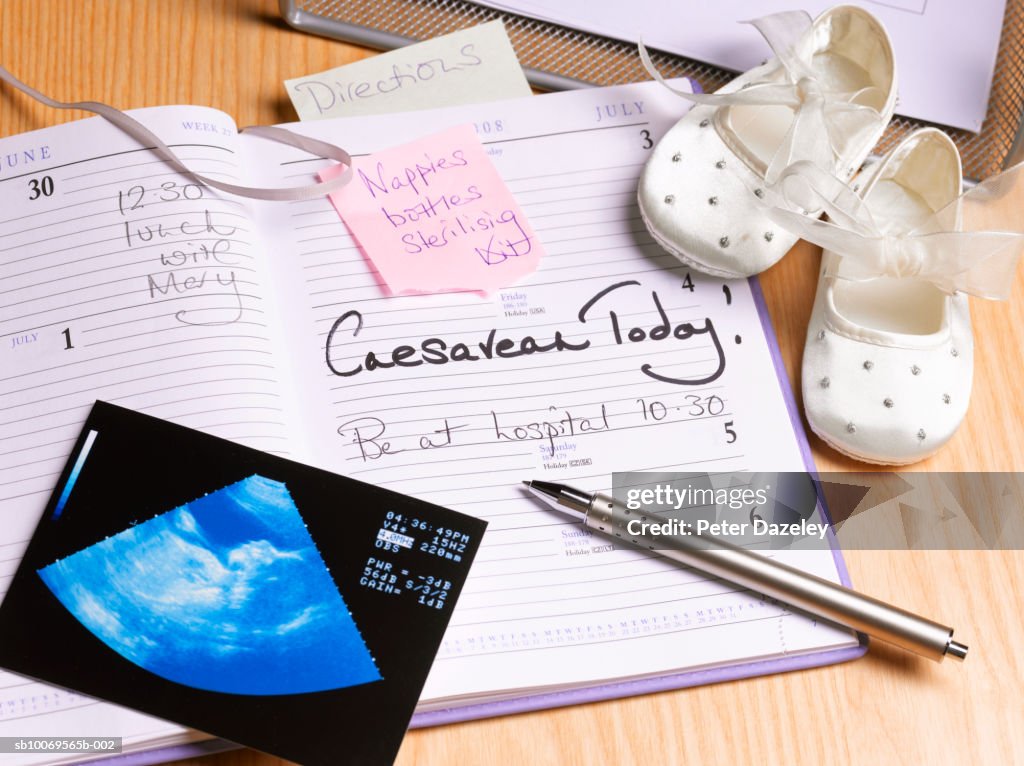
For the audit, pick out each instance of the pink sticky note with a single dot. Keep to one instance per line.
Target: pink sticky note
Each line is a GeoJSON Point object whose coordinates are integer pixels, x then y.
{"type": "Point", "coordinates": [435, 215]}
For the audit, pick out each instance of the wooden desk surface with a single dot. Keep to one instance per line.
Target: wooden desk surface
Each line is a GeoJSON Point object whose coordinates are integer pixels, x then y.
{"type": "Point", "coordinates": [888, 707]}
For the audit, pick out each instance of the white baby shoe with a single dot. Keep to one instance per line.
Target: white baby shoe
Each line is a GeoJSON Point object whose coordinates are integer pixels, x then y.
{"type": "Point", "coordinates": [826, 98]}
{"type": "Point", "coordinates": [888, 363]}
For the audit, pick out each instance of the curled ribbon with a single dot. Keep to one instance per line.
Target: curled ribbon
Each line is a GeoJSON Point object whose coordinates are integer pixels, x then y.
{"type": "Point", "coordinates": [970, 245]}
{"type": "Point", "coordinates": [824, 119]}
{"type": "Point", "coordinates": [150, 140]}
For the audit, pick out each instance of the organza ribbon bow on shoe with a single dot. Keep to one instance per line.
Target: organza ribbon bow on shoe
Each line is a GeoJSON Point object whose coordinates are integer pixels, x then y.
{"type": "Point", "coordinates": [825, 98]}
{"type": "Point", "coordinates": [888, 365]}
{"type": "Point", "coordinates": [972, 245]}
{"type": "Point", "coordinates": [825, 117]}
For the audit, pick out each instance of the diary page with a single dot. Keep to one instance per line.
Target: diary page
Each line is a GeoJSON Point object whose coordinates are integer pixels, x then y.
{"type": "Point", "coordinates": [121, 280]}
{"type": "Point", "coordinates": [613, 356]}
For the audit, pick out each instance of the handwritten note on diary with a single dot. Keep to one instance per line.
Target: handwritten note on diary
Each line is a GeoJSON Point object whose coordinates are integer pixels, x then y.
{"type": "Point", "coordinates": [435, 215]}
{"type": "Point", "coordinates": [465, 67]}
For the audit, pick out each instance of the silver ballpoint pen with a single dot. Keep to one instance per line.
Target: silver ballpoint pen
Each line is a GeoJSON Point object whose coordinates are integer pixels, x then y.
{"type": "Point", "coordinates": [807, 592]}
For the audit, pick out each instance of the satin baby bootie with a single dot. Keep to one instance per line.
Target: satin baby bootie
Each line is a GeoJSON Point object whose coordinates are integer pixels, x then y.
{"type": "Point", "coordinates": [888, 362]}
{"type": "Point", "coordinates": [826, 98]}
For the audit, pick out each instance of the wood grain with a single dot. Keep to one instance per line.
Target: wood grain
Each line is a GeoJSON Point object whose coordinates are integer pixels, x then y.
{"type": "Point", "coordinates": [889, 707]}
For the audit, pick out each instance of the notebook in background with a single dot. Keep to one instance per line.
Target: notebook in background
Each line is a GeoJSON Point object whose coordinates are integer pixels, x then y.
{"type": "Point", "coordinates": [544, 611]}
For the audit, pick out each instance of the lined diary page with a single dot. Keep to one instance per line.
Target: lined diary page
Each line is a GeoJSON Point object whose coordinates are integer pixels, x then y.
{"type": "Point", "coordinates": [121, 280]}
{"type": "Point", "coordinates": [612, 357]}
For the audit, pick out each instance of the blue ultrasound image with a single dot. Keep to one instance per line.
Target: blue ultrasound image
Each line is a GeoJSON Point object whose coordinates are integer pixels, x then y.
{"type": "Point", "coordinates": [227, 593]}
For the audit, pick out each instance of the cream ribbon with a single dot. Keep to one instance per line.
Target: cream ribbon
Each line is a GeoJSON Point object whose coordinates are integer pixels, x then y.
{"type": "Point", "coordinates": [150, 140]}
{"type": "Point", "coordinates": [970, 245]}
{"type": "Point", "coordinates": [824, 119]}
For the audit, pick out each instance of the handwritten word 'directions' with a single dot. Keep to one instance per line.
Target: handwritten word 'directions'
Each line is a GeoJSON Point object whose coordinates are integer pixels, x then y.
{"type": "Point", "coordinates": [470, 66]}
{"type": "Point", "coordinates": [435, 215]}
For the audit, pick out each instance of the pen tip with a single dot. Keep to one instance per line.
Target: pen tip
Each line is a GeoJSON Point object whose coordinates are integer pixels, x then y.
{"type": "Point", "coordinates": [956, 650]}
{"type": "Point", "coordinates": [526, 483]}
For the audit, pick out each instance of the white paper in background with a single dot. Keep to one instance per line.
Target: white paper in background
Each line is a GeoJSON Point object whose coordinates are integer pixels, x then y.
{"type": "Point", "coordinates": [466, 67]}
{"type": "Point", "coordinates": [945, 51]}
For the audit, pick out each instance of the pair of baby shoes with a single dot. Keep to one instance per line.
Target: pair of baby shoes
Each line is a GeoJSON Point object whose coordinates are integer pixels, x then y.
{"type": "Point", "coordinates": [888, 364]}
